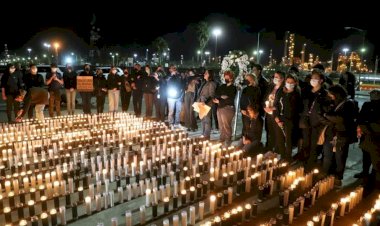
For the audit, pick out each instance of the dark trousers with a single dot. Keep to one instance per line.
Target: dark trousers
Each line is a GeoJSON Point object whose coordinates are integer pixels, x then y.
{"type": "Point", "coordinates": [137, 102]}
{"type": "Point", "coordinates": [160, 105]}
{"type": "Point", "coordinates": [206, 125]}
{"type": "Point", "coordinates": [30, 111]}
{"type": "Point", "coordinates": [340, 154]}
{"type": "Point", "coordinates": [214, 116]}
{"type": "Point", "coordinates": [12, 105]}
{"type": "Point", "coordinates": [100, 99]}
{"type": "Point", "coordinates": [225, 116]}
{"type": "Point", "coordinates": [86, 102]}
{"type": "Point", "coordinates": [270, 128]}
{"type": "Point", "coordinates": [190, 121]}
{"type": "Point", "coordinates": [312, 149]}
{"type": "Point", "coordinates": [246, 121]}
{"type": "Point", "coordinates": [125, 99]}
{"type": "Point", "coordinates": [55, 101]}
{"type": "Point", "coordinates": [366, 162]}
{"type": "Point", "coordinates": [284, 140]}
{"type": "Point", "coordinates": [148, 98]}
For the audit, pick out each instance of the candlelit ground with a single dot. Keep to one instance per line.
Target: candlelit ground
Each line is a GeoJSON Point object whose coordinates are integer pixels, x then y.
{"type": "Point", "coordinates": [353, 166]}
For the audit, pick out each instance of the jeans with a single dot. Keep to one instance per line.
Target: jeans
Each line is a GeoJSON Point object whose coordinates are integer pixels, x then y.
{"type": "Point", "coordinates": [70, 98]}
{"type": "Point", "coordinates": [113, 100]}
{"type": "Point", "coordinates": [174, 106]}
{"type": "Point", "coordinates": [225, 116]}
{"type": "Point", "coordinates": [39, 108]}
{"type": "Point", "coordinates": [340, 156]}
{"type": "Point", "coordinates": [206, 125]}
{"type": "Point", "coordinates": [55, 100]}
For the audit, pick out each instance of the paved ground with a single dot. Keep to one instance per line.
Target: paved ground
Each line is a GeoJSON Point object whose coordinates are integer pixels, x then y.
{"type": "Point", "coordinates": [353, 166]}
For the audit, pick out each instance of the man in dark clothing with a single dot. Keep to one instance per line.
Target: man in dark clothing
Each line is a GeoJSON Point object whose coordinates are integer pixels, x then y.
{"type": "Point", "coordinates": [160, 98]}
{"type": "Point", "coordinates": [125, 90]}
{"type": "Point", "coordinates": [100, 90]}
{"type": "Point", "coordinates": [55, 81]}
{"type": "Point", "coordinates": [33, 79]}
{"type": "Point", "coordinates": [252, 137]}
{"type": "Point", "coordinates": [11, 84]}
{"type": "Point", "coordinates": [70, 83]}
{"type": "Point", "coordinates": [137, 85]}
{"type": "Point", "coordinates": [348, 81]}
{"type": "Point", "coordinates": [86, 96]}
{"type": "Point", "coordinates": [175, 91]}
{"type": "Point", "coordinates": [262, 83]}
{"type": "Point", "coordinates": [36, 96]}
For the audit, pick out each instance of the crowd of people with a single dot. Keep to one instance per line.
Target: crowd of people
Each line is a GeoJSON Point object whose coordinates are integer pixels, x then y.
{"type": "Point", "coordinates": [314, 116]}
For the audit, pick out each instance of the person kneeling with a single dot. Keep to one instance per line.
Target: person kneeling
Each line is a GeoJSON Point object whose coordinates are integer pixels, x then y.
{"type": "Point", "coordinates": [37, 96]}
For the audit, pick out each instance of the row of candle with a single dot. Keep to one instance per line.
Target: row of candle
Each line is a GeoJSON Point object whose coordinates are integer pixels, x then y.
{"type": "Point", "coordinates": [338, 209]}
{"type": "Point", "coordinates": [372, 216]}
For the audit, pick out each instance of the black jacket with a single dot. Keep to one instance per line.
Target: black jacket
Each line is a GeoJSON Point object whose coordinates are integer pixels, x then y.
{"type": "Point", "coordinates": [70, 80]}
{"type": "Point", "coordinates": [12, 83]}
{"type": "Point", "coordinates": [100, 83]}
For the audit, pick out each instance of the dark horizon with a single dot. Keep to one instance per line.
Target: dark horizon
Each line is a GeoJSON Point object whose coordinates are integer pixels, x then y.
{"type": "Point", "coordinates": [239, 32]}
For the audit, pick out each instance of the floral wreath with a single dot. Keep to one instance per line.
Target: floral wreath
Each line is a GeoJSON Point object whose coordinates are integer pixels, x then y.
{"type": "Point", "coordinates": [237, 62]}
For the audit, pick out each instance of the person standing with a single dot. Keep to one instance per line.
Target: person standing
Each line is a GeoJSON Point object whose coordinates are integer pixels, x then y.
{"type": "Point", "coordinates": [137, 85]}
{"type": "Point", "coordinates": [54, 81]}
{"type": "Point", "coordinates": [149, 90]}
{"type": "Point", "coordinates": [206, 94]}
{"type": "Point", "coordinates": [175, 92]}
{"type": "Point", "coordinates": [191, 88]}
{"type": "Point", "coordinates": [160, 98]}
{"type": "Point", "coordinates": [33, 79]}
{"type": "Point", "coordinates": [86, 95]}
{"type": "Point", "coordinates": [125, 90]}
{"type": "Point", "coordinates": [70, 83]}
{"type": "Point", "coordinates": [100, 90]}
{"type": "Point", "coordinates": [113, 87]}
{"type": "Point", "coordinates": [225, 98]}
{"type": "Point", "coordinates": [11, 85]}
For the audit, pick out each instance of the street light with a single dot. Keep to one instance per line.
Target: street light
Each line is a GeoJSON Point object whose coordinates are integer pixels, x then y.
{"type": "Point", "coordinates": [207, 53]}
{"type": "Point", "coordinates": [345, 50]}
{"type": "Point", "coordinates": [56, 46]}
{"type": "Point", "coordinates": [146, 55]}
{"type": "Point", "coordinates": [199, 53]}
{"type": "Point", "coordinates": [216, 32]}
{"type": "Point", "coordinates": [258, 45]}
{"type": "Point", "coordinates": [29, 50]}
{"type": "Point", "coordinates": [117, 58]}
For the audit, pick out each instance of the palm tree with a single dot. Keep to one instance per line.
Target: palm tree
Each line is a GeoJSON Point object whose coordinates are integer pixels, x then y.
{"type": "Point", "coordinates": [203, 33]}
{"type": "Point", "coordinates": [161, 45]}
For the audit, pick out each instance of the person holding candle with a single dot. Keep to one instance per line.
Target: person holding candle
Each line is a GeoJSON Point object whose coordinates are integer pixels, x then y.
{"type": "Point", "coordinates": [251, 142]}
{"type": "Point", "coordinates": [205, 95]}
{"type": "Point", "coordinates": [286, 113]}
{"type": "Point", "coordinates": [339, 123]}
{"type": "Point", "coordinates": [224, 98]}
{"type": "Point", "coordinates": [36, 96]}
{"type": "Point", "coordinates": [250, 96]}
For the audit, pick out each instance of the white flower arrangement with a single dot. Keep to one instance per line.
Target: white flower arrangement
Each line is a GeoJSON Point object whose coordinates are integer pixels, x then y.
{"type": "Point", "coordinates": [238, 63]}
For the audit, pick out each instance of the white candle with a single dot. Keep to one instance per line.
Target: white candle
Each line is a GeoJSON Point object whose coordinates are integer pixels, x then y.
{"type": "Point", "coordinates": [148, 197]}
{"type": "Point", "coordinates": [165, 222]}
{"type": "Point", "coordinates": [128, 218]}
{"type": "Point", "coordinates": [62, 215]}
{"type": "Point", "coordinates": [201, 210]}
{"type": "Point", "coordinates": [142, 215]}
{"type": "Point", "coordinates": [98, 201]}
{"type": "Point", "coordinates": [88, 205]}
{"type": "Point", "coordinates": [230, 191]}
{"type": "Point", "coordinates": [175, 220]}
{"type": "Point", "coordinates": [212, 204]}
{"type": "Point", "coordinates": [183, 218]}
{"type": "Point", "coordinates": [114, 221]}
{"type": "Point", "coordinates": [192, 215]}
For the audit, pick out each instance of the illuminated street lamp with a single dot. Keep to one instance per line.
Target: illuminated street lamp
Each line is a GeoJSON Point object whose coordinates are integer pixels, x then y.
{"type": "Point", "coordinates": [345, 50]}
{"type": "Point", "coordinates": [56, 46]}
{"type": "Point", "coordinates": [117, 58]}
{"type": "Point", "coordinates": [29, 50]}
{"type": "Point", "coordinates": [207, 53]}
{"type": "Point", "coordinates": [216, 32]}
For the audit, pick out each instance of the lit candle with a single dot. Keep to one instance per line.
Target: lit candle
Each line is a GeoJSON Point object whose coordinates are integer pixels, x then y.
{"type": "Point", "coordinates": [291, 214]}
{"type": "Point", "coordinates": [128, 218]}
{"type": "Point", "coordinates": [175, 220]}
{"type": "Point", "coordinates": [212, 204]}
{"type": "Point", "coordinates": [230, 192]}
{"type": "Point", "coordinates": [192, 215]}
{"type": "Point", "coordinates": [183, 197]}
{"type": "Point", "coordinates": [62, 214]}
{"type": "Point", "coordinates": [8, 215]}
{"type": "Point", "coordinates": [114, 221]}
{"type": "Point", "coordinates": [183, 218]}
{"type": "Point", "coordinates": [31, 208]}
{"type": "Point", "coordinates": [142, 215]}
{"type": "Point", "coordinates": [201, 210]}
{"type": "Point", "coordinates": [166, 205]}
{"type": "Point", "coordinates": [44, 219]}
{"type": "Point", "coordinates": [165, 222]}
{"type": "Point", "coordinates": [342, 206]}
{"type": "Point", "coordinates": [88, 205]}
{"type": "Point", "coordinates": [53, 216]}
{"type": "Point", "coordinates": [147, 197]}
{"type": "Point", "coordinates": [247, 214]}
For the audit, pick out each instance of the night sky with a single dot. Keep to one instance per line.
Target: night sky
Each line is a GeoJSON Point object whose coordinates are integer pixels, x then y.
{"type": "Point", "coordinates": [321, 29]}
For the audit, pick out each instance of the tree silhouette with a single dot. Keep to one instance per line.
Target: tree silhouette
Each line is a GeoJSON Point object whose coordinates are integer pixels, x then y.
{"type": "Point", "coordinates": [203, 34]}
{"type": "Point", "coordinates": [161, 45]}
